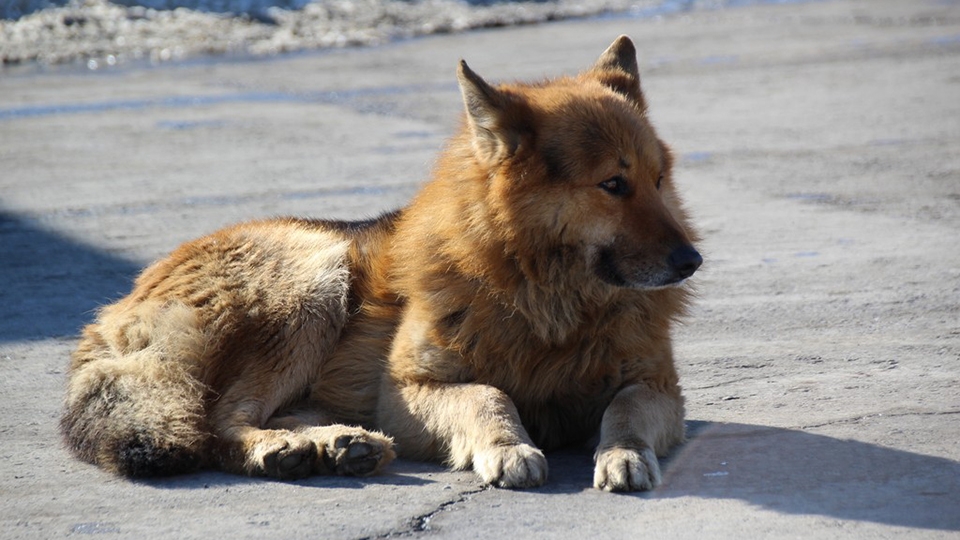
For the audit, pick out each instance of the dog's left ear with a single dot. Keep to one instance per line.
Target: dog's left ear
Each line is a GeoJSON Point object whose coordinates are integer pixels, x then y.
{"type": "Point", "coordinates": [493, 116]}
{"type": "Point", "coordinates": [617, 69]}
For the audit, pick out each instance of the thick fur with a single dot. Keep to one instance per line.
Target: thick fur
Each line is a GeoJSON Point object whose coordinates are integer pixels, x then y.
{"type": "Point", "coordinates": [522, 301]}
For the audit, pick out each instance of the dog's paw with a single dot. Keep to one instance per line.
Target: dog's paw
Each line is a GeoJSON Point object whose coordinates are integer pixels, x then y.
{"type": "Point", "coordinates": [514, 466]}
{"type": "Point", "coordinates": [625, 469]}
{"type": "Point", "coordinates": [350, 451]}
{"type": "Point", "coordinates": [282, 455]}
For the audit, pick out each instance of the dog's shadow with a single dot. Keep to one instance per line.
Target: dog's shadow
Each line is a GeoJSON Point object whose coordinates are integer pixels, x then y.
{"type": "Point", "coordinates": [780, 470]}
{"type": "Point", "coordinates": [794, 472]}
{"type": "Point", "coordinates": [50, 284]}
{"type": "Point", "coordinates": [399, 473]}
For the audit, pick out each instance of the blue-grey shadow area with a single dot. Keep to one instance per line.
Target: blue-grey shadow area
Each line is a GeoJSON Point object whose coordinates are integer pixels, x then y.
{"type": "Point", "coordinates": [399, 473]}
{"type": "Point", "coordinates": [794, 472]}
{"type": "Point", "coordinates": [781, 470]}
{"type": "Point", "coordinates": [50, 286]}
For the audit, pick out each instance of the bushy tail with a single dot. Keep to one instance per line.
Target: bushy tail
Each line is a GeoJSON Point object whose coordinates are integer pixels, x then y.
{"type": "Point", "coordinates": [135, 401]}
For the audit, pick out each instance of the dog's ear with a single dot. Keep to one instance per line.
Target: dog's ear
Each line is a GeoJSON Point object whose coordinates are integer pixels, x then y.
{"type": "Point", "coordinates": [491, 114]}
{"type": "Point", "coordinates": [617, 69]}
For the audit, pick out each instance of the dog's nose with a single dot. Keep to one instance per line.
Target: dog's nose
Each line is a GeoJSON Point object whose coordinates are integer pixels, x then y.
{"type": "Point", "coordinates": [685, 260]}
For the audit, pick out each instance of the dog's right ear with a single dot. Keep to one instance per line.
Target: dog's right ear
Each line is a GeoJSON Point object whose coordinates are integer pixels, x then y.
{"type": "Point", "coordinates": [490, 114]}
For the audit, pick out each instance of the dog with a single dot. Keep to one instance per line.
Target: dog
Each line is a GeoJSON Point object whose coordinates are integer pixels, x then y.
{"type": "Point", "coordinates": [523, 301]}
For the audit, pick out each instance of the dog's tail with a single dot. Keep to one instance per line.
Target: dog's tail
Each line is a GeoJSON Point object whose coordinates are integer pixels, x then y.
{"type": "Point", "coordinates": [135, 399]}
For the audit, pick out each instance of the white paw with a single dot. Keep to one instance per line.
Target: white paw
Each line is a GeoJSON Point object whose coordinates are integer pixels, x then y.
{"type": "Point", "coordinates": [624, 469]}
{"type": "Point", "coordinates": [514, 466]}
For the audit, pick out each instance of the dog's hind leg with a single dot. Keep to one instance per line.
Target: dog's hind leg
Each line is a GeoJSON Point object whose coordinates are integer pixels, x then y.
{"type": "Point", "coordinates": [261, 427]}
{"type": "Point", "coordinates": [243, 446]}
{"type": "Point", "coordinates": [274, 374]}
{"type": "Point", "coordinates": [286, 321]}
{"type": "Point", "coordinates": [341, 449]}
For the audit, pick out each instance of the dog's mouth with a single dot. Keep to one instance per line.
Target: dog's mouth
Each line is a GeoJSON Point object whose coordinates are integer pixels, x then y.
{"type": "Point", "coordinates": [682, 263]}
{"type": "Point", "coordinates": [606, 269]}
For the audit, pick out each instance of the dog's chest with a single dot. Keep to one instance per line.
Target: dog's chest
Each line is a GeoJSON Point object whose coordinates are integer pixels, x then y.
{"type": "Point", "coordinates": [561, 396]}
{"type": "Point", "coordinates": [564, 420]}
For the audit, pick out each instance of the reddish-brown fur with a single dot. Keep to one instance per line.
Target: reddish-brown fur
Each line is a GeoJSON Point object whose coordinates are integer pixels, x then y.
{"type": "Point", "coordinates": [523, 300]}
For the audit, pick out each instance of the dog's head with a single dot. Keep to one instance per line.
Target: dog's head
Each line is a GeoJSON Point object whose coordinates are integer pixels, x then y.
{"type": "Point", "coordinates": [575, 162]}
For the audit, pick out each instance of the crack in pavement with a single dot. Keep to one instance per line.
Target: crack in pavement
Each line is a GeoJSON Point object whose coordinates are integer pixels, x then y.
{"type": "Point", "coordinates": [875, 415]}
{"type": "Point", "coordinates": [421, 524]}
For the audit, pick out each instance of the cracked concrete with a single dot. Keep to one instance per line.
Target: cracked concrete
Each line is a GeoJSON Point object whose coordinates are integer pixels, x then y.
{"type": "Point", "coordinates": [865, 417]}
{"type": "Point", "coordinates": [819, 150]}
{"type": "Point", "coordinates": [421, 523]}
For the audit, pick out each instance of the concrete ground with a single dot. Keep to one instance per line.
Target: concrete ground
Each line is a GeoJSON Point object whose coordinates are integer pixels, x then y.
{"type": "Point", "coordinates": [819, 149]}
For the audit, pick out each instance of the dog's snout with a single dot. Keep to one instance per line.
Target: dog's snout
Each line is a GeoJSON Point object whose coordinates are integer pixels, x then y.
{"type": "Point", "coordinates": [685, 260]}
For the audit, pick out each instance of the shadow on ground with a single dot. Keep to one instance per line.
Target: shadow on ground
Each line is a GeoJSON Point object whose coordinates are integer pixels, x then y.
{"type": "Point", "coordinates": [794, 472]}
{"type": "Point", "coordinates": [50, 286]}
{"type": "Point", "coordinates": [399, 473]}
{"type": "Point", "coordinates": [781, 470]}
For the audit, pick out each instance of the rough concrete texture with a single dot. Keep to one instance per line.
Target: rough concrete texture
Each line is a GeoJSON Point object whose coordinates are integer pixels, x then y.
{"type": "Point", "coordinates": [819, 149]}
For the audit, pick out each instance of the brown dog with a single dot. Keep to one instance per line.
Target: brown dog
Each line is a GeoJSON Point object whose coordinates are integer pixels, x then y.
{"type": "Point", "coordinates": [523, 300]}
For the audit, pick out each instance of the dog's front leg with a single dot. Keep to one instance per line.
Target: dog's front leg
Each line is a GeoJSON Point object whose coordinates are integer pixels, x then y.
{"type": "Point", "coordinates": [638, 425]}
{"type": "Point", "coordinates": [466, 425]}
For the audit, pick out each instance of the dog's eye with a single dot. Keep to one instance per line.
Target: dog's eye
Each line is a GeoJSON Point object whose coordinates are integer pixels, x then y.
{"type": "Point", "coordinates": [615, 186]}
{"type": "Point", "coordinates": [659, 181]}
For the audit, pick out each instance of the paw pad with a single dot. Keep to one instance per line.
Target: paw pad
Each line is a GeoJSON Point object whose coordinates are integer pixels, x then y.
{"type": "Point", "coordinates": [290, 462]}
{"type": "Point", "coordinates": [356, 455]}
